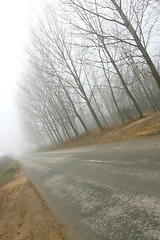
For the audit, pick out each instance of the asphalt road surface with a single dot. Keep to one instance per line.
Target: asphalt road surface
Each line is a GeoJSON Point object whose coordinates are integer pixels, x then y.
{"type": "Point", "coordinates": [102, 192]}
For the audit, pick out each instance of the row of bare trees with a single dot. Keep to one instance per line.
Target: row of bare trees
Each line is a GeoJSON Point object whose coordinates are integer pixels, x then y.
{"type": "Point", "coordinates": [90, 63]}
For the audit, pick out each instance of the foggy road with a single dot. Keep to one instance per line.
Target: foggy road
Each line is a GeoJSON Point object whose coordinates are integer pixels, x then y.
{"type": "Point", "coordinates": [102, 192]}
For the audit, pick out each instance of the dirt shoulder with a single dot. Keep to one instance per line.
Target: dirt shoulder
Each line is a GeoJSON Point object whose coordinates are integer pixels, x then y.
{"type": "Point", "coordinates": [133, 129]}
{"type": "Point", "coordinates": [23, 214]}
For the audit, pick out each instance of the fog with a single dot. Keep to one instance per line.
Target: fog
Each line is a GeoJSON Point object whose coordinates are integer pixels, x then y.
{"type": "Point", "coordinates": [10, 136]}
{"type": "Point", "coordinates": [15, 17]}
{"type": "Point", "coordinates": [50, 108]}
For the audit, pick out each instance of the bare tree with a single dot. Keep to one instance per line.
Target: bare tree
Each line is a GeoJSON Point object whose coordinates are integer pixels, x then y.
{"type": "Point", "coordinates": [132, 16]}
{"type": "Point", "coordinates": [70, 68]}
{"type": "Point", "coordinates": [58, 50]}
{"type": "Point", "coordinates": [95, 29]}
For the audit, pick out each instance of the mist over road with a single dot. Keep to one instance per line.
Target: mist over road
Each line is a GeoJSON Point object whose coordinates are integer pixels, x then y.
{"type": "Point", "coordinates": [102, 192]}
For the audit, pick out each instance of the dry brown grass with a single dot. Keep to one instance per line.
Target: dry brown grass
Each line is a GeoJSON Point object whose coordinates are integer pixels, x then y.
{"type": "Point", "coordinates": [132, 129]}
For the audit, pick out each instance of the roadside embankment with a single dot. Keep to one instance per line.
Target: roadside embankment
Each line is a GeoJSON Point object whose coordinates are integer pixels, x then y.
{"type": "Point", "coordinates": [132, 129]}
{"type": "Point", "coordinates": [23, 214]}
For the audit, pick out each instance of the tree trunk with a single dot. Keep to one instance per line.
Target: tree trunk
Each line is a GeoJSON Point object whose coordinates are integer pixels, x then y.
{"type": "Point", "coordinates": [146, 56]}
{"type": "Point", "coordinates": [123, 82]}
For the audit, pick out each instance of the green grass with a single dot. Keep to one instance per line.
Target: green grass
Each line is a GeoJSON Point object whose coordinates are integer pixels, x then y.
{"type": "Point", "coordinates": [9, 171]}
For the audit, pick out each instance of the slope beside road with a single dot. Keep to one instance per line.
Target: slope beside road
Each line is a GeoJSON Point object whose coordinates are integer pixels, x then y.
{"type": "Point", "coordinates": [102, 192]}
{"type": "Point", "coordinates": [23, 214]}
{"type": "Point", "coordinates": [131, 129]}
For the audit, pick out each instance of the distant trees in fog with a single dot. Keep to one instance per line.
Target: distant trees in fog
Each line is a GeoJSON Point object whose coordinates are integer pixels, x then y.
{"type": "Point", "coordinates": [89, 65]}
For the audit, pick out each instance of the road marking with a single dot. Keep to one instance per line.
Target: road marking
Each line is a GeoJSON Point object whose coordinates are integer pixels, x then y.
{"type": "Point", "coordinates": [93, 161]}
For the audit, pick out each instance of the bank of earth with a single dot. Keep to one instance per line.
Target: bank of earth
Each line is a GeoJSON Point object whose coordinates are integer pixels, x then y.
{"type": "Point", "coordinates": [149, 126]}
{"type": "Point", "coordinates": [23, 214]}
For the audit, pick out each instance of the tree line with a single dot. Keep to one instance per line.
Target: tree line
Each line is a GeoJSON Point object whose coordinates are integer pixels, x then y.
{"type": "Point", "coordinates": [89, 64]}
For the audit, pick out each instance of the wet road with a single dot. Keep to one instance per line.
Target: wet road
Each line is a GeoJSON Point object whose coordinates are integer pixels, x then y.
{"type": "Point", "coordinates": [102, 192]}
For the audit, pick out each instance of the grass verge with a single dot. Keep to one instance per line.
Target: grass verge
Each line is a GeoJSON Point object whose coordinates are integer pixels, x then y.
{"type": "Point", "coordinates": [11, 169]}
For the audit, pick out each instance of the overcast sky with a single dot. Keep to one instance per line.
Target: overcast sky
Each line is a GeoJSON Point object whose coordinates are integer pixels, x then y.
{"type": "Point", "coordinates": [15, 17]}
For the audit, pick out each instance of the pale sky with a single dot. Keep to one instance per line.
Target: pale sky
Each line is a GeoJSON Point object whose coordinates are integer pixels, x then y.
{"type": "Point", "coordinates": [15, 17]}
